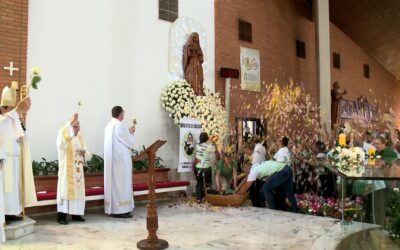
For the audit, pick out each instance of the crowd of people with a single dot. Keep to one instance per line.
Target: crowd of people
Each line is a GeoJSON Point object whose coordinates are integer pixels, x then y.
{"type": "Point", "coordinates": [272, 171]}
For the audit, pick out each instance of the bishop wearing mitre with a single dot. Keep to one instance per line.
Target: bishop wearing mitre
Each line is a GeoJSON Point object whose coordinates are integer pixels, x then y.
{"type": "Point", "coordinates": [14, 172]}
{"type": "Point", "coordinates": [10, 128]}
{"type": "Point", "coordinates": [72, 157]}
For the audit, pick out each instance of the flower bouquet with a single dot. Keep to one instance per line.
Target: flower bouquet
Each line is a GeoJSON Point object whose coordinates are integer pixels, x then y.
{"type": "Point", "coordinates": [134, 121]}
{"type": "Point", "coordinates": [348, 160]}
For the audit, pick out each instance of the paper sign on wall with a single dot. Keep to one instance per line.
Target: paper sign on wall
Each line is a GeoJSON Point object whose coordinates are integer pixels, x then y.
{"type": "Point", "coordinates": [250, 69]}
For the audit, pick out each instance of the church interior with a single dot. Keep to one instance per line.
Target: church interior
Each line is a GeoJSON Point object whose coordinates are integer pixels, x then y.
{"type": "Point", "coordinates": [200, 124]}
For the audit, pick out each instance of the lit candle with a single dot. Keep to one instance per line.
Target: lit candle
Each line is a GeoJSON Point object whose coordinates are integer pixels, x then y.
{"type": "Point", "coordinates": [342, 140]}
{"type": "Point", "coordinates": [371, 152]}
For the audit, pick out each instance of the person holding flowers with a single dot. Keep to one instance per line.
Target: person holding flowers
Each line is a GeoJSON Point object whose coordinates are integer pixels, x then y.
{"type": "Point", "coordinates": [118, 143]}
{"type": "Point", "coordinates": [72, 157]}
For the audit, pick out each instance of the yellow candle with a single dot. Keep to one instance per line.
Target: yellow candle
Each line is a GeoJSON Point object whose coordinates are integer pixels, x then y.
{"type": "Point", "coordinates": [371, 152]}
{"type": "Point", "coordinates": [342, 140]}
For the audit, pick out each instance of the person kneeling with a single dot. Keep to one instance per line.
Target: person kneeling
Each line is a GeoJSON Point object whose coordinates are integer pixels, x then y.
{"type": "Point", "coordinates": [72, 156]}
{"type": "Point", "coordinates": [276, 174]}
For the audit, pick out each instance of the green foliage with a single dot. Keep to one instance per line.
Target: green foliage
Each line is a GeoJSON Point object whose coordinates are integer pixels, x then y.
{"type": "Point", "coordinates": [394, 213]}
{"type": "Point", "coordinates": [95, 165]}
{"type": "Point", "coordinates": [144, 164]}
{"type": "Point", "coordinates": [35, 80]}
{"type": "Point", "coordinates": [45, 167]}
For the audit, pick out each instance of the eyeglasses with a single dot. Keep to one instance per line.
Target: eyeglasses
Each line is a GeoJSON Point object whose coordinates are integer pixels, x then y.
{"type": "Point", "coordinates": [76, 126]}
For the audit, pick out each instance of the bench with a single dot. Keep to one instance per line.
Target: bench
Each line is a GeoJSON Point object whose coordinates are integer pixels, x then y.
{"type": "Point", "coordinates": [46, 198]}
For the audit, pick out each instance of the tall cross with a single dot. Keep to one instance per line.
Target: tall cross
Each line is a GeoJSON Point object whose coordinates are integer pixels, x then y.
{"type": "Point", "coordinates": [11, 68]}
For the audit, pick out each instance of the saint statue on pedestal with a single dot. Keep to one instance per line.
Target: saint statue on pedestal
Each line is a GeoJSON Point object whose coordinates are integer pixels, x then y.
{"type": "Point", "coordinates": [336, 96]}
{"type": "Point", "coordinates": [192, 63]}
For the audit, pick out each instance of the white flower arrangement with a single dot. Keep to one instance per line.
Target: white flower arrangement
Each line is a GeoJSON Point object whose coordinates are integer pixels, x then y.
{"type": "Point", "coordinates": [348, 160]}
{"type": "Point", "coordinates": [178, 99]}
{"type": "Point", "coordinates": [211, 113]}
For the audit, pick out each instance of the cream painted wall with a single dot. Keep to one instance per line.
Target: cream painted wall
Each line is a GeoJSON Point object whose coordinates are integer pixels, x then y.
{"type": "Point", "coordinates": [106, 53]}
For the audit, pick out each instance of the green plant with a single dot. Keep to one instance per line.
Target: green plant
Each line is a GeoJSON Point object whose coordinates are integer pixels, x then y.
{"type": "Point", "coordinates": [394, 213]}
{"type": "Point", "coordinates": [45, 167]}
{"type": "Point", "coordinates": [144, 164]}
{"type": "Point", "coordinates": [95, 165]}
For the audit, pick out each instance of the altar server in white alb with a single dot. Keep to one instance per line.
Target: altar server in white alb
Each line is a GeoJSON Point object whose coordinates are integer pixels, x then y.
{"type": "Point", "coordinates": [118, 193]}
{"type": "Point", "coordinates": [72, 157]}
{"type": "Point", "coordinates": [10, 127]}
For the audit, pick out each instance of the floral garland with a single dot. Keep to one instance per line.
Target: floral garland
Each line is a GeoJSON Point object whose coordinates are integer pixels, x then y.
{"type": "Point", "coordinates": [177, 99]}
{"type": "Point", "coordinates": [180, 101]}
{"type": "Point", "coordinates": [348, 160]}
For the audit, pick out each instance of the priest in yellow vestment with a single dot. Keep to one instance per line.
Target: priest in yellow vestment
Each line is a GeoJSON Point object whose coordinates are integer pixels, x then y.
{"type": "Point", "coordinates": [72, 157]}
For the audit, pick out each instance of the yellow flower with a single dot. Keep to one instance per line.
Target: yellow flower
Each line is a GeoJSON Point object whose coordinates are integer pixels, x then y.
{"type": "Point", "coordinates": [35, 70]}
{"type": "Point", "coordinates": [134, 120]}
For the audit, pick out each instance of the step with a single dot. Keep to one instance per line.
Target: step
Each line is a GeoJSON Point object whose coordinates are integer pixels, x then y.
{"type": "Point", "coordinates": [18, 229]}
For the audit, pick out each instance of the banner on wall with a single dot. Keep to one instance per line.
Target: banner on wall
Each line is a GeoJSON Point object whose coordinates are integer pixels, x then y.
{"type": "Point", "coordinates": [188, 135]}
{"type": "Point", "coordinates": [250, 69]}
{"type": "Point", "coordinates": [350, 109]}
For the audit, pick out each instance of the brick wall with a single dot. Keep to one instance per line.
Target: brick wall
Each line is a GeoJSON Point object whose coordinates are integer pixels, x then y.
{"type": "Point", "coordinates": [381, 88]}
{"type": "Point", "coordinates": [13, 40]}
{"type": "Point", "coordinates": [276, 25]}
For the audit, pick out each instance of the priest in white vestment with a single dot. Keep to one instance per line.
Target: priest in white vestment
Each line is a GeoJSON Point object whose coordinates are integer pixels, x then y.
{"type": "Point", "coordinates": [118, 190]}
{"type": "Point", "coordinates": [72, 156]}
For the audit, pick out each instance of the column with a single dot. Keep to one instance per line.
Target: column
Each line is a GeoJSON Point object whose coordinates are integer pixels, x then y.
{"type": "Point", "coordinates": [321, 9]}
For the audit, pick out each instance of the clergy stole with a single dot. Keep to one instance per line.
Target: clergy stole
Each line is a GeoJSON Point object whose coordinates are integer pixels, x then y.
{"type": "Point", "coordinates": [29, 182]}
{"type": "Point", "coordinates": [71, 182]}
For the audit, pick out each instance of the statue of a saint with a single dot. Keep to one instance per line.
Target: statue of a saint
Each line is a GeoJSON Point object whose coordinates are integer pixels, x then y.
{"type": "Point", "coordinates": [336, 96]}
{"type": "Point", "coordinates": [192, 63]}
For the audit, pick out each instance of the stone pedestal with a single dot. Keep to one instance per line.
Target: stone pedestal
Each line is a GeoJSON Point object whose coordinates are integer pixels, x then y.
{"type": "Point", "coordinates": [19, 229]}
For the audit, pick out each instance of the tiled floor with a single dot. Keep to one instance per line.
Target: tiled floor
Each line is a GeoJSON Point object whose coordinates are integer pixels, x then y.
{"type": "Point", "coordinates": [186, 227]}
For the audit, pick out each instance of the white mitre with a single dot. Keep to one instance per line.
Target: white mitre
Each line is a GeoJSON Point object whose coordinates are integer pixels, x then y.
{"type": "Point", "coordinates": [9, 95]}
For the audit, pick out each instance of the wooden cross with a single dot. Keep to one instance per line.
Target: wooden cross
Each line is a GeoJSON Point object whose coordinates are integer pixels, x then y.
{"type": "Point", "coordinates": [11, 68]}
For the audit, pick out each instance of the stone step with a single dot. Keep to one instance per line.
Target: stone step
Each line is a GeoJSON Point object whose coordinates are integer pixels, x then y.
{"type": "Point", "coordinates": [19, 229]}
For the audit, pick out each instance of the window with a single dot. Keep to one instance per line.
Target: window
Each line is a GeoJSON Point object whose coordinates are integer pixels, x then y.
{"type": "Point", "coordinates": [300, 49]}
{"type": "Point", "coordinates": [310, 10]}
{"type": "Point", "coordinates": [168, 10]}
{"type": "Point", "coordinates": [366, 70]}
{"type": "Point", "coordinates": [245, 31]}
{"type": "Point", "coordinates": [336, 60]}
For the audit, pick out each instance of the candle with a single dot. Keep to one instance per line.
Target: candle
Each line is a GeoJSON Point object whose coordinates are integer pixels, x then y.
{"type": "Point", "coordinates": [342, 140]}
{"type": "Point", "coordinates": [371, 153]}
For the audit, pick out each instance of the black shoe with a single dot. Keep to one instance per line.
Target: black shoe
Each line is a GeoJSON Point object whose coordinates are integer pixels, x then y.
{"type": "Point", "coordinates": [78, 218]}
{"type": "Point", "coordinates": [125, 215]}
{"type": "Point", "coordinates": [11, 218]}
{"type": "Point", "coordinates": [62, 219]}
